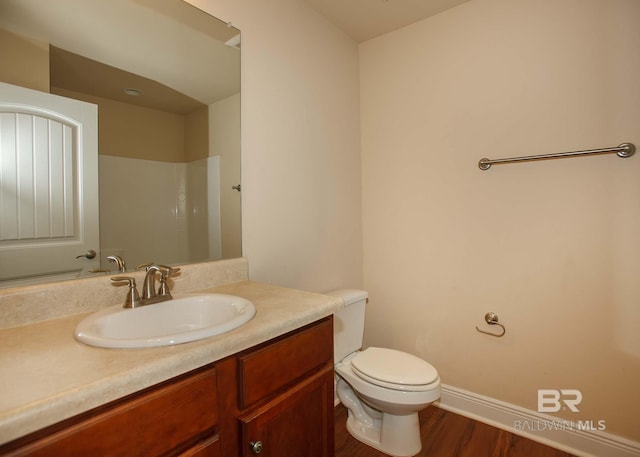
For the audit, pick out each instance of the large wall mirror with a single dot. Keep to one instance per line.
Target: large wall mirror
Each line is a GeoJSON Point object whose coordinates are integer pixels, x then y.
{"type": "Point", "coordinates": [159, 82]}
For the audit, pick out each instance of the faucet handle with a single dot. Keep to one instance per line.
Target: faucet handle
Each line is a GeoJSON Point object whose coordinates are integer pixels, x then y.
{"type": "Point", "coordinates": [133, 298]}
{"type": "Point", "coordinates": [163, 290]}
{"type": "Point", "coordinates": [145, 266]}
{"type": "Point", "coordinates": [165, 273]}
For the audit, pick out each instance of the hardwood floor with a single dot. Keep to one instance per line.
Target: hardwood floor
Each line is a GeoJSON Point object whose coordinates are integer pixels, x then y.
{"type": "Point", "coordinates": [445, 434]}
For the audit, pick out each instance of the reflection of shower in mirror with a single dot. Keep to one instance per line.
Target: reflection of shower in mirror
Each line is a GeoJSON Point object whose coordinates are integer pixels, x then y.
{"type": "Point", "coordinates": [177, 203]}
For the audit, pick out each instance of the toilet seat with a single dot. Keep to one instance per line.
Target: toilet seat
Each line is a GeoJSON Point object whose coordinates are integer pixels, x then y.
{"type": "Point", "coordinates": [393, 369]}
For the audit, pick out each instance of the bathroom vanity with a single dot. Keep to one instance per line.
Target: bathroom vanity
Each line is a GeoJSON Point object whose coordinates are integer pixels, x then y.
{"type": "Point", "coordinates": [264, 388]}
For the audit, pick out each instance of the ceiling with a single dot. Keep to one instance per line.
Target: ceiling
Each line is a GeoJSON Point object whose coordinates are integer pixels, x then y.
{"type": "Point", "coordinates": [79, 74]}
{"type": "Point", "coordinates": [366, 19]}
{"type": "Point", "coordinates": [152, 38]}
{"type": "Point", "coordinates": [52, 22]}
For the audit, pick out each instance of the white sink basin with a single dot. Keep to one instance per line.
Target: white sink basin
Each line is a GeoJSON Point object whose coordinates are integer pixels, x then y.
{"type": "Point", "coordinates": [184, 319]}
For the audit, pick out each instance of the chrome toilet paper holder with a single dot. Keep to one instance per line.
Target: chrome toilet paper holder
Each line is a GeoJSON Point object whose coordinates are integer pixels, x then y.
{"type": "Point", "coordinates": [491, 318]}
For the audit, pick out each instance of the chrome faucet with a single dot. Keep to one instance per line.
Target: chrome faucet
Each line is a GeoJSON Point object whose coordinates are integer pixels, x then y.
{"type": "Point", "coordinates": [148, 287]}
{"type": "Point", "coordinates": [149, 294]}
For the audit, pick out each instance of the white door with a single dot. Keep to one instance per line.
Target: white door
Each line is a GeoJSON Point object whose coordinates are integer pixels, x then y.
{"type": "Point", "coordinates": [48, 183]}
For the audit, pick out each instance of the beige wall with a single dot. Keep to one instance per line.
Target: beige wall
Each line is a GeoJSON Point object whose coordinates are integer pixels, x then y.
{"type": "Point", "coordinates": [196, 134]}
{"type": "Point", "coordinates": [552, 247]}
{"type": "Point", "coordinates": [25, 62]}
{"type": "Point", "coordinates": [301, 202]}
{"type": "Point", "coordinates": [136, 132]}
{"type": "Point", "coordinates": [224, 141]}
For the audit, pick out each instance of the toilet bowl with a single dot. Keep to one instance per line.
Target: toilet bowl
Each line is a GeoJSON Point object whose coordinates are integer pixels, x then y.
{"type": "Point", "coordinates": [383, 389]}
{"type": "Point", "coordinates": [382, 412]}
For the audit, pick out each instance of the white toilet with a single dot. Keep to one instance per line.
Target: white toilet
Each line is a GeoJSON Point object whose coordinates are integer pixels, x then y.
{"type": "Point", "coordinates": [383, 389]}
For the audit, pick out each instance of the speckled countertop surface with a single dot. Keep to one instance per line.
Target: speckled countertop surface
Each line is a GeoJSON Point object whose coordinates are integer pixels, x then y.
{"type": "Point", "coordinates": [47, 376]}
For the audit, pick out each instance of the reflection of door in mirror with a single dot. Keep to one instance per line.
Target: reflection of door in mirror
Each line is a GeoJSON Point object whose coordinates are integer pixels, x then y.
{"type": "Point", "coordinates": [48, 184]}
{"type": "Point", "coordinates": [166, 79]}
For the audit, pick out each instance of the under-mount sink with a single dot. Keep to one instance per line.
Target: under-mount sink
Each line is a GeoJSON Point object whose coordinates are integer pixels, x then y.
{"type": "Point", "coordinates": [184, 319]}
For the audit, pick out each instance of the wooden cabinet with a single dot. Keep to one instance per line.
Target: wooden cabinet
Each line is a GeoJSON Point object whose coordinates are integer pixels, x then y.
{"type": "Point", "coordinates": [168, 419]}
{"type": "Point", "coordinates": [279, 396]}
{"type": "Point", "coordinates": [207, 448]}
{"type": "Point", "coordinates": [276, 398]}
{"type": "Point", "coordinates": [292, 382]}
{"type": "Point", "coordinates": [294, 424]}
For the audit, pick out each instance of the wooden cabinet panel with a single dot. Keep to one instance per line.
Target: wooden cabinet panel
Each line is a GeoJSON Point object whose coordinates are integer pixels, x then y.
{"type": "Point", "coordinates": [265, 371]}
{"type": "Point", "coordinates": [151, 423]}
{"type": "Point", "coordinates": [297, 423]}
{"type": "Point", "coordinates": [207, 448]}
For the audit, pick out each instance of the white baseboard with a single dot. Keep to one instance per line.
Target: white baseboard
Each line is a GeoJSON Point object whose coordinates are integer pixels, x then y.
{"type": "Point", "coordinates": [565, 437]}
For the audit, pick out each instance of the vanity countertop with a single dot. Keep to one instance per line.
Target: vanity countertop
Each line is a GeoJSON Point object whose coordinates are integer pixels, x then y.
{"type": "Point", "coordinates": [48, 376]}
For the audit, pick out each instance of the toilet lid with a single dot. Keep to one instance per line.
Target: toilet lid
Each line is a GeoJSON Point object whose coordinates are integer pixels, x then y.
{"type": "Point", "coordinates": [388, 366]}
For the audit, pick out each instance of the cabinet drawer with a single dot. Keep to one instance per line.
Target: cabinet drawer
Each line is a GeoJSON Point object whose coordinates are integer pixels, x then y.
{"type": "Point", "coordinates": [266, 370]}
{"type": "Point", "coordinates": [148, 424]}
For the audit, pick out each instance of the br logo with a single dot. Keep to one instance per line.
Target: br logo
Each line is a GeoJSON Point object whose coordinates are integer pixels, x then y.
{"type": "Point", "coordinates": [552, 401]}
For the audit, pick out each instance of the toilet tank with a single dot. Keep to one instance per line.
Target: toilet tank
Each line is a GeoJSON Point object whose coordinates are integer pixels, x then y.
{"type": "Point", "coordinates": [348, 323]}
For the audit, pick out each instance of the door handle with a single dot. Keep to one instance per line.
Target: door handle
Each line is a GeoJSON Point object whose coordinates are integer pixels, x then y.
{"type": "Point", "coordinates": [90, 254]}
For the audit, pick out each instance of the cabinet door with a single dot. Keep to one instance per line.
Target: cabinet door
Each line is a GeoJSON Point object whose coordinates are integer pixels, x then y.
{"type": "Point", "coordinates": [297, 423]}
{"type": "Point", "coordinates": [207, 448]}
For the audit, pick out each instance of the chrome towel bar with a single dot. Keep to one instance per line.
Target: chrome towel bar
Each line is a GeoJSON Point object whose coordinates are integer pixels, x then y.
{"type": "Point", "coordinates": [623, 150]}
